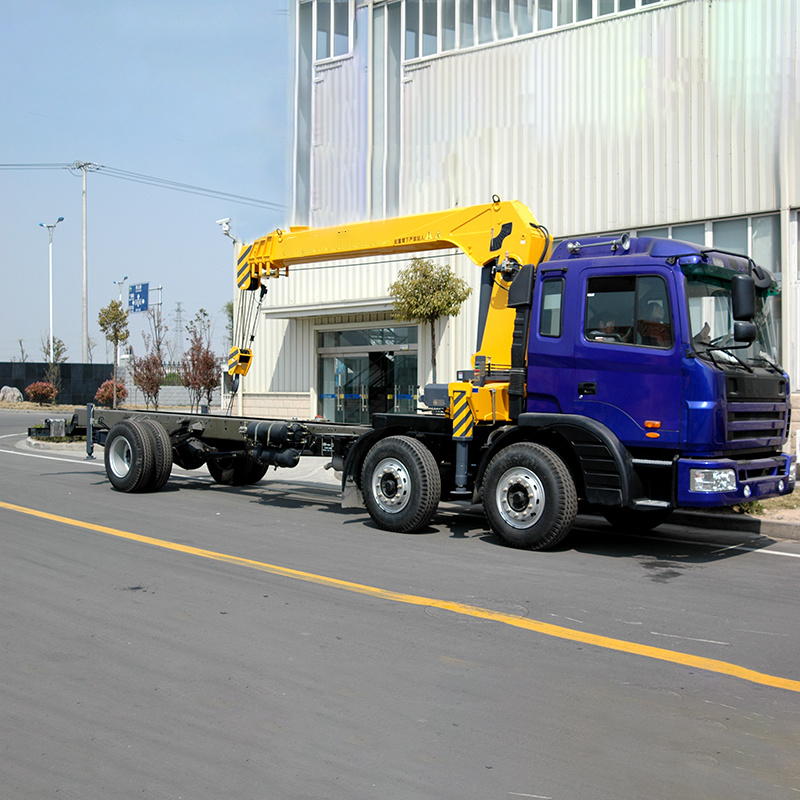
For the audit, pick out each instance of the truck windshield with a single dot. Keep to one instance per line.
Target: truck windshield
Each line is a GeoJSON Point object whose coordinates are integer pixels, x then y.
{"type": "Point", "coordinates": [711, 323]}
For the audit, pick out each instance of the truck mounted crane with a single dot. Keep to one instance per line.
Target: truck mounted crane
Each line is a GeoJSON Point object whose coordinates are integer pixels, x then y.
{"type": "Point", "coordinates": [626, 376]}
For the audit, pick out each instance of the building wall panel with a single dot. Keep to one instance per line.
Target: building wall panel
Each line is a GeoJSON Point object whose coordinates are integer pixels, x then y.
{"type": "Point", "coordinates": [687, 111]}
{"type": "Point", "coordinates": [665, 116]}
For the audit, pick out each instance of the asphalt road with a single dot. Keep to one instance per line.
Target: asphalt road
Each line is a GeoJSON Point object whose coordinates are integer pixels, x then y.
{"type": "Point", "coordinates": [209, 642]}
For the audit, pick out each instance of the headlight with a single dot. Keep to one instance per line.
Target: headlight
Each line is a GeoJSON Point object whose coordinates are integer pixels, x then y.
{"type": "Point", "coordinates": [793, 472]}
{"type": "Point", "coordinates": [712, 480]}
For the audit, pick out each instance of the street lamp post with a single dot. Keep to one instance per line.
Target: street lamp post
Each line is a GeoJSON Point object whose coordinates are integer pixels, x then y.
{"type": "Point", "coordinates": [50, 228]}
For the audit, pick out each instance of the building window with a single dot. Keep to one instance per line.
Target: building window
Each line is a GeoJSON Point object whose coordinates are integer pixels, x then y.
{"type": "Point", "coordinates": [440, 26]}
{"type": "Point", "coordinates": [757, 237]}
{"type": "Point", "coordinates": [333, 19]}
{"type": "Point", "coordinates": [448, 24]}
{"type": "Point", "coordinates": [412, 29]}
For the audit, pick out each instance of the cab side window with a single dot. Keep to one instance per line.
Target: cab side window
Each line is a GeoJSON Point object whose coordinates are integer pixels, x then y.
{"type": "Point", "coordinates": [628, 309]}
{"type": "Point", "coordinates": [551, 314]}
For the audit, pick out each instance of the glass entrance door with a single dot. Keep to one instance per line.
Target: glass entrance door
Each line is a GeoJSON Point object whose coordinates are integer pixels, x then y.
{"type": "Point", "coordinates": [366, 371]}
{"type": "Point", "coordinates": [354, 387]}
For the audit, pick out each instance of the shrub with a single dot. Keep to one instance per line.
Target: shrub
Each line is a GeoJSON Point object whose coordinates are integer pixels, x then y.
{"type": "Point", "coordinates": [41, 392]}
{"type": "Point", "coordinates": [105, 394]}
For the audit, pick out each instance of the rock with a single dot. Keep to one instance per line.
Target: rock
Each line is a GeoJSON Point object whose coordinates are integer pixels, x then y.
{"type": "Point", "coordinates": [9, 394]}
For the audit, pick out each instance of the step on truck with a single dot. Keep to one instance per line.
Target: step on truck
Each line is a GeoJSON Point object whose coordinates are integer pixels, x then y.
{"type": "Point", "coordinates": [625, 376]}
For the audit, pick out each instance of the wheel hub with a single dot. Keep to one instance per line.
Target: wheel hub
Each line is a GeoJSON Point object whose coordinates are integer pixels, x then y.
{"type": "Point", "coordinates": [391, 485]}
{"type": "Point", "coordinates": [120, 457]}
{"type": "Point", "coordinates": [520, 497]}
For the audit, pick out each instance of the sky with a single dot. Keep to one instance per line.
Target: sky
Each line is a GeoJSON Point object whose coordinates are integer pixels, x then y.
{"type": "Point", "coordinates": [186, 91]}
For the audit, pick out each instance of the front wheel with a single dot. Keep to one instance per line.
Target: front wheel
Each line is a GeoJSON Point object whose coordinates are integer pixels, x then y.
{"type": "Point", "coordinates": [529, 496]}
{"type": "Point", "coordinates": [401, 484]}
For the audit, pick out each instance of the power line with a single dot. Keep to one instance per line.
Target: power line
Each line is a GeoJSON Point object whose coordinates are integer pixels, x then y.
{"type": "Point", "coordinates": [150, 180]}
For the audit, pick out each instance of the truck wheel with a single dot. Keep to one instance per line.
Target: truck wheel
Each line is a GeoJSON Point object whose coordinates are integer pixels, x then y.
{"type": "Point", "coordinates": [162, 454]}
{"type": "Point", "coordinates": [529, 496]}
{"type": "Point", "coordinates": [129, 456]}
{"type": "Point", "coordinates": [236, 470]}
{"type": "Point", "coordinates": [401, 484]}
{"type": "Point", "coordinates": [634, 520]}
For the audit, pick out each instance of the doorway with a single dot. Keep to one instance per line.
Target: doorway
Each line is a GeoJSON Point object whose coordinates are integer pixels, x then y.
{"type": "Point", "coordinates": [367, 371]}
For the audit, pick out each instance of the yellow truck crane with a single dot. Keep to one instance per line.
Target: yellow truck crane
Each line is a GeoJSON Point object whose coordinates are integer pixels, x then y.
{"type": "Point", "coordinates": [635, 375]}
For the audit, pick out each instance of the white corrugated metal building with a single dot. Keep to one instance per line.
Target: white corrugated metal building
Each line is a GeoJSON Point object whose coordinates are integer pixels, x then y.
{"type": "Point", "coordinates": [678, 117]}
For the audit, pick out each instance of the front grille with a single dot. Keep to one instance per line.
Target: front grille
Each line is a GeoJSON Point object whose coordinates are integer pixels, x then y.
{"type": "Point", "coordinates": [757, 411]}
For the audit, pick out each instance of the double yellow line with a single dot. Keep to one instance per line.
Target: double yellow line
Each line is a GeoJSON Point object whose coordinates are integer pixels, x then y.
{"type": "Point", "coordinates": [620, 645]}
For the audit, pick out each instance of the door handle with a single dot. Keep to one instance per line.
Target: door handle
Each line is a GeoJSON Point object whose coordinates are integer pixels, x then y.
{"type": "Point", "coordinates": [587, 387]}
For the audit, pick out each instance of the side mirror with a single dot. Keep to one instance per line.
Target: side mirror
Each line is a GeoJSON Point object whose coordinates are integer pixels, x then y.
{"type": "Point", "coordinates": [744, 332]}
{"type": "Point", "coordinates": [743, 295]}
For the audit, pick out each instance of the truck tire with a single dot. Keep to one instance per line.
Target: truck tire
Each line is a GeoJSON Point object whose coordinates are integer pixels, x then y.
{"type": "Point", "coordinates": [529, 496]}
{"type": "Point", "coordinates": [128, 456]}
{"type": "Point", "coordinates": [401, 484]}
{"type": "Point", "coordinates": [162, 454]}
{"type": "Point", "coordinates": [236, 470]}
{"type": "Point", "coordinates": [633, 520]}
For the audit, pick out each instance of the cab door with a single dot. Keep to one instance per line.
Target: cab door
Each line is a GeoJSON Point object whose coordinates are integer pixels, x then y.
{"type": "Point", "coordinates": [628, 358]}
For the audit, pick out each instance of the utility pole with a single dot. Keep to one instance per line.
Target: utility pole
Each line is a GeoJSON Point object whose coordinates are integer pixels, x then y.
{"type": "Point", "coordinates": [84, 167]}
{"type": "Point", "coordinates": [50, 228]}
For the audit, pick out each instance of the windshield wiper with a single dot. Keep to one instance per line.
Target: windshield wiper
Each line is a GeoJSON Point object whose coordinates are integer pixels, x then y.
{"type": "Point", "coordinates": [762, 355]}
{"type": "Point", "coordinates": [709, 350]}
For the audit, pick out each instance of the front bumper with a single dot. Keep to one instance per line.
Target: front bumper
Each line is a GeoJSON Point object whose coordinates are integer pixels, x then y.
{"type": "Point", "coordinates": [755, 479]}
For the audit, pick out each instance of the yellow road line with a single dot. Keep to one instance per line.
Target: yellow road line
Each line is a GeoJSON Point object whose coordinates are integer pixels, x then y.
{"type": "Point", "coordinates": [620, 645]}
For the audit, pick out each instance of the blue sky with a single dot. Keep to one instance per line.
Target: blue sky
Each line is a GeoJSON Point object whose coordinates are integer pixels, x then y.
{"type": "Point", "coordinates": [192, 92]}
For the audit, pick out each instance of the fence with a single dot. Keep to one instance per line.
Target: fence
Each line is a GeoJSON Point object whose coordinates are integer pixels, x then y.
{"type": "Point", "coordinates": [79, 382]}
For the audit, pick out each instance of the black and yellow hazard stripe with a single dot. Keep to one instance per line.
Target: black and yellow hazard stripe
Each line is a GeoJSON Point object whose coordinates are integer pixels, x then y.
{"type": "Point", "coordinates": [245, 280]}
{"type": "Point", "coordinates": [239, 361]}
{"type": "Point", "coordinates": [463, 419]}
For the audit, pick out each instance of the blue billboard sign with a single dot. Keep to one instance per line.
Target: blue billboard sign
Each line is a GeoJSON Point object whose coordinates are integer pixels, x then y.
{"type": "Point", "coordinates": [138, 297]}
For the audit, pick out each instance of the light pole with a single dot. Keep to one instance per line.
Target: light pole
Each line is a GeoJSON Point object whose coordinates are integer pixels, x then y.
{"type": "Point", "coordinates": [237, 383]}
{"type": "Point", "coordinates": [50, 228]}
{"type": "Point", "coordinates": [120, 284]}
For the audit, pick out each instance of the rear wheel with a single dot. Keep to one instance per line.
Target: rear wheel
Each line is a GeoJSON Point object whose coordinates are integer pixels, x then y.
{"type": "Point", "coordinates": [236, 470]}
{"type": "Point", "coordinates": [128, 456]}
{"type": "Point", "coordinates": [401, 484]}
{"type": "Point", "coordinates": [162, 454]}
{"type": "Point", "coordinates": [529, 496]}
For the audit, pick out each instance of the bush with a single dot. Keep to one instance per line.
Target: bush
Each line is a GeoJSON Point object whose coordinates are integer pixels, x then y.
{"type": "Point", "coordinates": [105, 394]}
{"type": "Point", "coordinates": [41, 392]}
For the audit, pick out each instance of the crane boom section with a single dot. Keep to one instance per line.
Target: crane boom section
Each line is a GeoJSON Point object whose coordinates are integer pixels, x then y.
{"type": "Point", "coordinates": [485, 233]}
{"type": "Point", "coordinates": [500, 232]}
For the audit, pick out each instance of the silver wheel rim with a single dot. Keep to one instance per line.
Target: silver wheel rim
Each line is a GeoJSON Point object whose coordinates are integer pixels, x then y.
{"type": "Point", "coordinates": [391, 485]}
{"type": "Point", "coordinates": [119, 457]}
{"type": "Point", "coordinates": [520, 497]}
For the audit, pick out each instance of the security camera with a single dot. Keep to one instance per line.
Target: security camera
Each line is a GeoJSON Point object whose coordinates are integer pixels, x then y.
{"type": "Point", "coordinates": [226, 221]}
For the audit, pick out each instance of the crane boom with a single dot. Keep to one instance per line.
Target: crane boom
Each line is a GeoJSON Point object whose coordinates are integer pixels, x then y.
{"type": "Point", "coordinates": [501, 232]}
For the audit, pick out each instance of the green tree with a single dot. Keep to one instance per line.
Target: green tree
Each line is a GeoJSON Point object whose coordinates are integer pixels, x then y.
{"type": "Point", "coordinates": [148, 371]}
{"type": "Point", "coordinates": [52, 373]}
{"type": "Point", "coordinates": [200, 372]}
{"type": "Point", "coordinates": [424, 292]}
{"type": "Point", "coordinates": [113, 321]}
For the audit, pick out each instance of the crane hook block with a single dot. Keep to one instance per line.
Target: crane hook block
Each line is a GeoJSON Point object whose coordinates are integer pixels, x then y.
{"type": "Point", "coordinates": [239, 360]}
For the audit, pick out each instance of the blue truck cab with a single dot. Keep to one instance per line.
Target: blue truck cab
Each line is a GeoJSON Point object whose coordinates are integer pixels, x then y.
{"type": "Point", "coordinates": [670, 348]}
